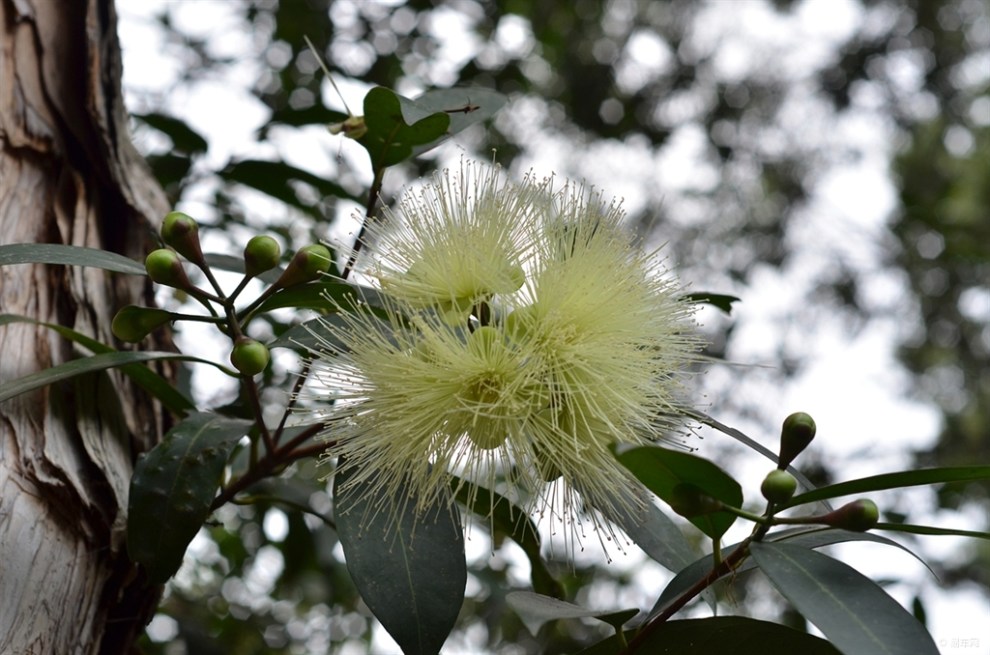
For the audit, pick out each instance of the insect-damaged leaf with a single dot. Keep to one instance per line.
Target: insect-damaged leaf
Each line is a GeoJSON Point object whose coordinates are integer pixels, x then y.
{"type": "Point", "coordinates": [173, 487]}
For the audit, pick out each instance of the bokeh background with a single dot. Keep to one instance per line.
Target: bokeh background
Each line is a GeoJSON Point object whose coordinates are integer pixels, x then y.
{"type": "Point", "coordinates": [826, 161]}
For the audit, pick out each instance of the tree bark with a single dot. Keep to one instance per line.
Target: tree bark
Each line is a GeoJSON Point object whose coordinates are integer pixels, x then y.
{"type": "Point", "coordinates": [68, 174]}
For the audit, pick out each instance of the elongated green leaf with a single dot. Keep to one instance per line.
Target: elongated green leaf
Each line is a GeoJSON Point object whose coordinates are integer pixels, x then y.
{"type": "Point", "coordinates": [183, 137]}
{"type": "Point", "coordinates": [810, 537]}
{"type": "Point", "coordinates": [718, 300]}
{"type": "Point", "coordinates": [511, 521]}
{"type": "Point", "coordinates": [465, 106]}
{"type": "Point", "coordinates": [894, 481]}
{"type": "Point", "coordinates": [99, 362]}
{"type": "Point", "coordinates": [173, 487]}
{"type": "Point", "coordinates": [931, 530]}
{"type": "Point", "coordinates": [156, 385]}
{"type": "Point", "coordinates": [408, 566]}
{"type": "Point", "coordinates": [391, 136]}
{"type": "Point", "coordinates": [279, 180]}
{"type": "Point", "coordinates": [720, 635]}
{"type": "Point", "coordinates": [662, 470]}
{"type": "Point", "coordinates": [53, 253]}
{"type": "Point", "coordinates": [537, 609]}
{"type": "Point", "coordinates": [850, 609]}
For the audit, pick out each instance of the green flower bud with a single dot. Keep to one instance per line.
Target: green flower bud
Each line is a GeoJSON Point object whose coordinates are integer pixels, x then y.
{"type": "Point", "coordinates": [133, 323]}
{"type": "Point", "coordinates": [778, 486]}
{"type": "Point", "coordinates": [690, 501]}
{"type": "Point", "coordinates": [165, 267]}
{"type": "Point", "coordinates": [250, 357]}
{"type": "Point", "coordinates": [307, 264]}
{"type": "Point", "coordinates": [261, 254]}
{"type": "Point", "coordinates": [181, 232]}
{"type": "Point", "coordinates": [795, 435]}
{"type": "Point", "coordinates": [857, 516]}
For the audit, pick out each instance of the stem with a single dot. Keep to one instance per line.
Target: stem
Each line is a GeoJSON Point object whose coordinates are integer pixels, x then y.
{"type": "Point", "coordinates": [252, 391]}
{"type": "Point", "coordinates": [373, 193]}
{"type": "Point", "coordinates": [296, 389]}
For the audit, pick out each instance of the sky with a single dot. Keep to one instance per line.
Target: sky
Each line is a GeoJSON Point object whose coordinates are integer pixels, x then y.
{"type": "Point", "coordinates": [853, 385]}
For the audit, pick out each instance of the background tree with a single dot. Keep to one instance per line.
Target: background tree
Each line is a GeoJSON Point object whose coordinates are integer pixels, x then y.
{"type": "Point", "coordinates": [69, 174]}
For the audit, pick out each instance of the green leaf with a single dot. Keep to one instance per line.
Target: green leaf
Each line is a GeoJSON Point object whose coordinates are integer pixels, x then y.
{"type": "Point", "coordinates": [536, 609]}
{"type": "Point", "coordinates": [719, 635]}
{"type": "Point", "coordinates": [893, 481]}
{"type": "Point", "coordinates": [850, 609]}
{"type": "Point", "coordinates": [465, 106]}
{"type": "Point", "coordinates": [99, 362]}
{"type": "Point", "coordinates": [279, 180]}
{"type": "Point", "coordinates": [806, 537]}
{"type": "Point", "coordinates": [183, 137]}
{"type": "Point", "coordinates": [391, 136]}
{"type": "Point", "coordinates": [930, 530]}
{"type": "Point", "coordinates": [53, 253]}
{"type": "Point", "coordinates": [156, 385]}
{"type": "Point", "coordinates": [662, 470]}
{"type": "Point", "coordinates": [173, 486]}
{"type": "Point", "coordinates": [717, 300]}
{"type": "Point", "coordinates": [408, 565]}
{"type": "Point", "coordinates": [510, 520]}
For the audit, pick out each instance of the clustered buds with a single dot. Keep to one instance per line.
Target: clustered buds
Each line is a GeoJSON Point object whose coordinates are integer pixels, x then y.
{"type": "Point", "coordinates": [250, 357]}
{"type": "Point", "coordinates": [181, 232]}
{"type": "Point", "coordinates": [133, 323]}
{"type": "Point", "coordinates": [857, 516]}
{"type": "Point", "coordinates": [165, 268]}
{"type": "Point", "coordinates": [778, 486]}
{"type": "Point", "coordinates": [309, 263]}
{"type": "Point", "coordinates": [261, 254]}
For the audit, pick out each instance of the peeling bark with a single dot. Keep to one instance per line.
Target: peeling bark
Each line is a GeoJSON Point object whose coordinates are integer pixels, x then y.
{"type": "Point", "coordinates": [68, 174]}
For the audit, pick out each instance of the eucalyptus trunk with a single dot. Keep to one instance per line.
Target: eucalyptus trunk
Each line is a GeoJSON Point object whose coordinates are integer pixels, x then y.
{"type": "Point", "coordinates": [69, 175]}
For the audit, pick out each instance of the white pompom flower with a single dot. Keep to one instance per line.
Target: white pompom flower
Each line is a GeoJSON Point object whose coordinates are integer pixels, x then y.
{"type": "Point", "coordinates": [522, 338]}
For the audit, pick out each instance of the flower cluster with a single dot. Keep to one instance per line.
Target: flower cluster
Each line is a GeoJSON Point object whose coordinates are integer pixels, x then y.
{"type": "Point", "coordinates": [520, 338]}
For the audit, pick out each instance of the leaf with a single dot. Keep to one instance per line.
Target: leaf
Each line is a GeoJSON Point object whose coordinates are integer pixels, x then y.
{"type": "Point", "coordinates": [391, 136]}
{"type": "Point", "coordinates": [277, 179]}
{"type": "Point", "coordinates": [183, 137]}
{"type": "Point", "coordinates": [511, 521]}
{"type": "Point", "coordinates": [929, 530]}
{"type": "Point", "coordinates": [173, 486]}
{"type": "Point", "coordinates": [850, 609]}
{"type": "Point", "coordinates": [465, 106]}
{"type": "Point", "coordinates": [54, 253]}
{"type": "Point", "coordinates": [662, 470]}
{"type": "Point", "coordinates": [156, 385]}
{"type": "Point", "coordinates": [893, 481]}
{"type": "Point", "coordinates": [408, 566]}
{"type": "Point", "coordinates": [814, 537]}
{"type": "Point", "coordinates": [719, 635]}
{"type": "Point", "coordinates": [717, 300]}
{"type": "Point", "coordinates": [99, 362]}
{"type": "Point", "coordinates": [536, 609]}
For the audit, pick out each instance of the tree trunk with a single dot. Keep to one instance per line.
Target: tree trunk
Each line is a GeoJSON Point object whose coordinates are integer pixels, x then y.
{"type": "Point", "coordinates": [68, 174]}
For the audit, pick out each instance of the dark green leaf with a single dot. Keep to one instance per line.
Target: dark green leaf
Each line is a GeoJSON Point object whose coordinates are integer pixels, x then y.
{"type": "Point", "coordinates": [464, 105]}
{"type": "Point", "coordinates": [536, 609]}
{"type": "Point", "coordinates": [183, 137]}
{"type": "Point", "coordinates": [718, 300]}
{"type": "Point", "coordinates": [893, 481]}
{"type": "Point", "coordinates": [510, 520]}
{"type": "Point", "coordinates": [53, 253]}
{"type": "Point", "coordinates": [99, 362]}
{"type": "Point", "coordinates": [277, 179]}
{"type": "Point", "coordinates": [391, 135]}
{"type": "Point", "coordinates": [719, 635]}
{"type": "Point", "coordinates": [930, 530]}
{"type": "Point", "coordinates": [156, 385]}
{"type": "Point", "coordinates": [662, 470]}
{"type": "Point", "coordinates": [850, 609]}
{"type": "Point", "coordinates": [408, 565]}
{"type": "Point", "coordinates": [173, 486]}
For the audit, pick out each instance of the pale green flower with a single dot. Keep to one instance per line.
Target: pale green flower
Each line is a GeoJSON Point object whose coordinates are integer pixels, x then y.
{"type": "Point", "coordinates": [523, 338]}
{"type": "Point", "coordinates": [457, 242]}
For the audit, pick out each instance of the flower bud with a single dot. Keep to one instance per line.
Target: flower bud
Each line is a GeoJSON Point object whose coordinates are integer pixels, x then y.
{"type": "Point", "coordinates": [690, 501]}
{"type": "Point", "coordinates": [261, 254]}
{"type": "Point", "coordinates": [795, 435]}
{"type": "Point", "coordinates": [250, 357]}
{"type": "Point", "coordinates": [165, 267]}
{"type": "Point", "coordinates": [778, 486]}
{"type": "Point", "coordinates": [133, 323]}
{"type": "Point", "coordinates": [181, 232]}
{"type": "Point", "coordinates": [857, 516]}
{"type": "Point", "coordinates": [307, 264]}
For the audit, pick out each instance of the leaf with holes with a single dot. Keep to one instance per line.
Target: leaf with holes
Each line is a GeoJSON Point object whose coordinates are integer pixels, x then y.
{"type": "Point", "coordinates": [173, 487]}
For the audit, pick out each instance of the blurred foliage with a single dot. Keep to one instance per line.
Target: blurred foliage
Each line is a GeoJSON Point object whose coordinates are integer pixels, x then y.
{"type": "Point", "coordinates": [640, 78]}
